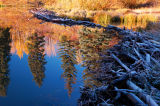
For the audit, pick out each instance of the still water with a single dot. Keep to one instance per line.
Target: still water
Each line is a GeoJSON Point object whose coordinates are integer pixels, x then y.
{"type": "Point", "coordinates": [29, 81]}
{"type": "Point", "coordinates": [23, 90]}
{"type": "Point", "coordinates": [44, 64]}
{"type": "Point", "coordinates": [31, 72]}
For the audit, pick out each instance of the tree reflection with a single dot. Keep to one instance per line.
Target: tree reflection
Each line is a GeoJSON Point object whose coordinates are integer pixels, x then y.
{"type": "Point", "coordinates": [4, 59]}
{"type": "Point", "coordinates": [93, 43]}
{"type": "Point", "coordinates": [67, 54]}
{"type": "Point", "coordinates": [36, 58]}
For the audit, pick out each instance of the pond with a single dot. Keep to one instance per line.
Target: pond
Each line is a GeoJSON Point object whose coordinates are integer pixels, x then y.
{"type": "Point", "coordinates": [44, 64]}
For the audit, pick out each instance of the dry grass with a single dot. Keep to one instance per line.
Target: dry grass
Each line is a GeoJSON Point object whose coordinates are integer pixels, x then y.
{"type": "Point", "coordinates": [102, 18]}
{"type": "Point", "coordinates": [97, 4]}
{"type": "Point", "coordinates": [100, 4]}
{"type": "Point", "coordinates": [137, 3]}
{"type": "Point", "coordinates": [88, 4]}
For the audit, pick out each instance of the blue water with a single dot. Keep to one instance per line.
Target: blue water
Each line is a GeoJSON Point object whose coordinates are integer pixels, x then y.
{"type": "Point", "coordinates": [23, 90]}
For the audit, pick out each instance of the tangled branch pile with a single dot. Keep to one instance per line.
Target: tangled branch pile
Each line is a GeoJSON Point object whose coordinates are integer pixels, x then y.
{"type": "Point", "coordinates": [131, 72]}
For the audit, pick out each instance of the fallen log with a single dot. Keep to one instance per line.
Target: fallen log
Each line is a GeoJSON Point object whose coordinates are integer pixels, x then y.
{"type": "Point", "coordinates": [120, 62]}
{"type": "Point", "coordinates": [135, 100]}
{"type": "Point", "coordinates": [147, 98]}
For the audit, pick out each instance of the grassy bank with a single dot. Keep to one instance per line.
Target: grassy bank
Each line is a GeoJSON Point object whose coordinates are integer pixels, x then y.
{"type": "Point", "coordinates": [129, 13]}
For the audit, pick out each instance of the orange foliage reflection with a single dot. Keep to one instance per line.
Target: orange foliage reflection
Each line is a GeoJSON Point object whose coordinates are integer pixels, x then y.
{"type": "Point", "coordinates": [23, 25]}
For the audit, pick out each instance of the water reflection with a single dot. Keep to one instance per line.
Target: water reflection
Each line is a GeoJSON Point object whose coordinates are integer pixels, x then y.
{"type": "Point", "coordinates": [4, 59]}
{"type": "Point", "coordinates": [67, 55]}
{"type": "Point", "coordinates": [87, 50]}
{"type": "Point", "coordinates": [130, 21]}
{"type": "Point", "coordinates": [76, 45]}
{"type": "Point", "coordinates": [93, 43]}
{"type": "Point", "coordinates": [36, 58]}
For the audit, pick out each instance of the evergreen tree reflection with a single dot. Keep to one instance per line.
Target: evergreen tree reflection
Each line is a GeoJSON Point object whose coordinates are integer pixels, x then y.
{"type": "Point", "coordinates": [93, 43]}
{"type": "Point", "coordinates": [36, 58]}
{"type": "Point", "coordinates": [67, 54]}
{"type": "Point", "coordinates": [4, 59]}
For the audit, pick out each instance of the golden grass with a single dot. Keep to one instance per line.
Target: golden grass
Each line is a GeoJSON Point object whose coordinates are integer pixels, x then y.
{"type": "Point", "coordinates": [102, 18]}
{"type": "Point", "coordinates": [137, 3]}
{"type": "Point", "coordinates": [87, 4]}
{"type": "Point", "coordinates": [96, 4]}
{"type": "Point", "coordinates": [99, 4]}
{"type": "Point", "coordinates": [132, 20]}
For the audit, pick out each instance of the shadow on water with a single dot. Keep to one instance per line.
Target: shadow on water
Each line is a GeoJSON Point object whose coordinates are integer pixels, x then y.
{"type": "Point", "coordinates": [4, 59]}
